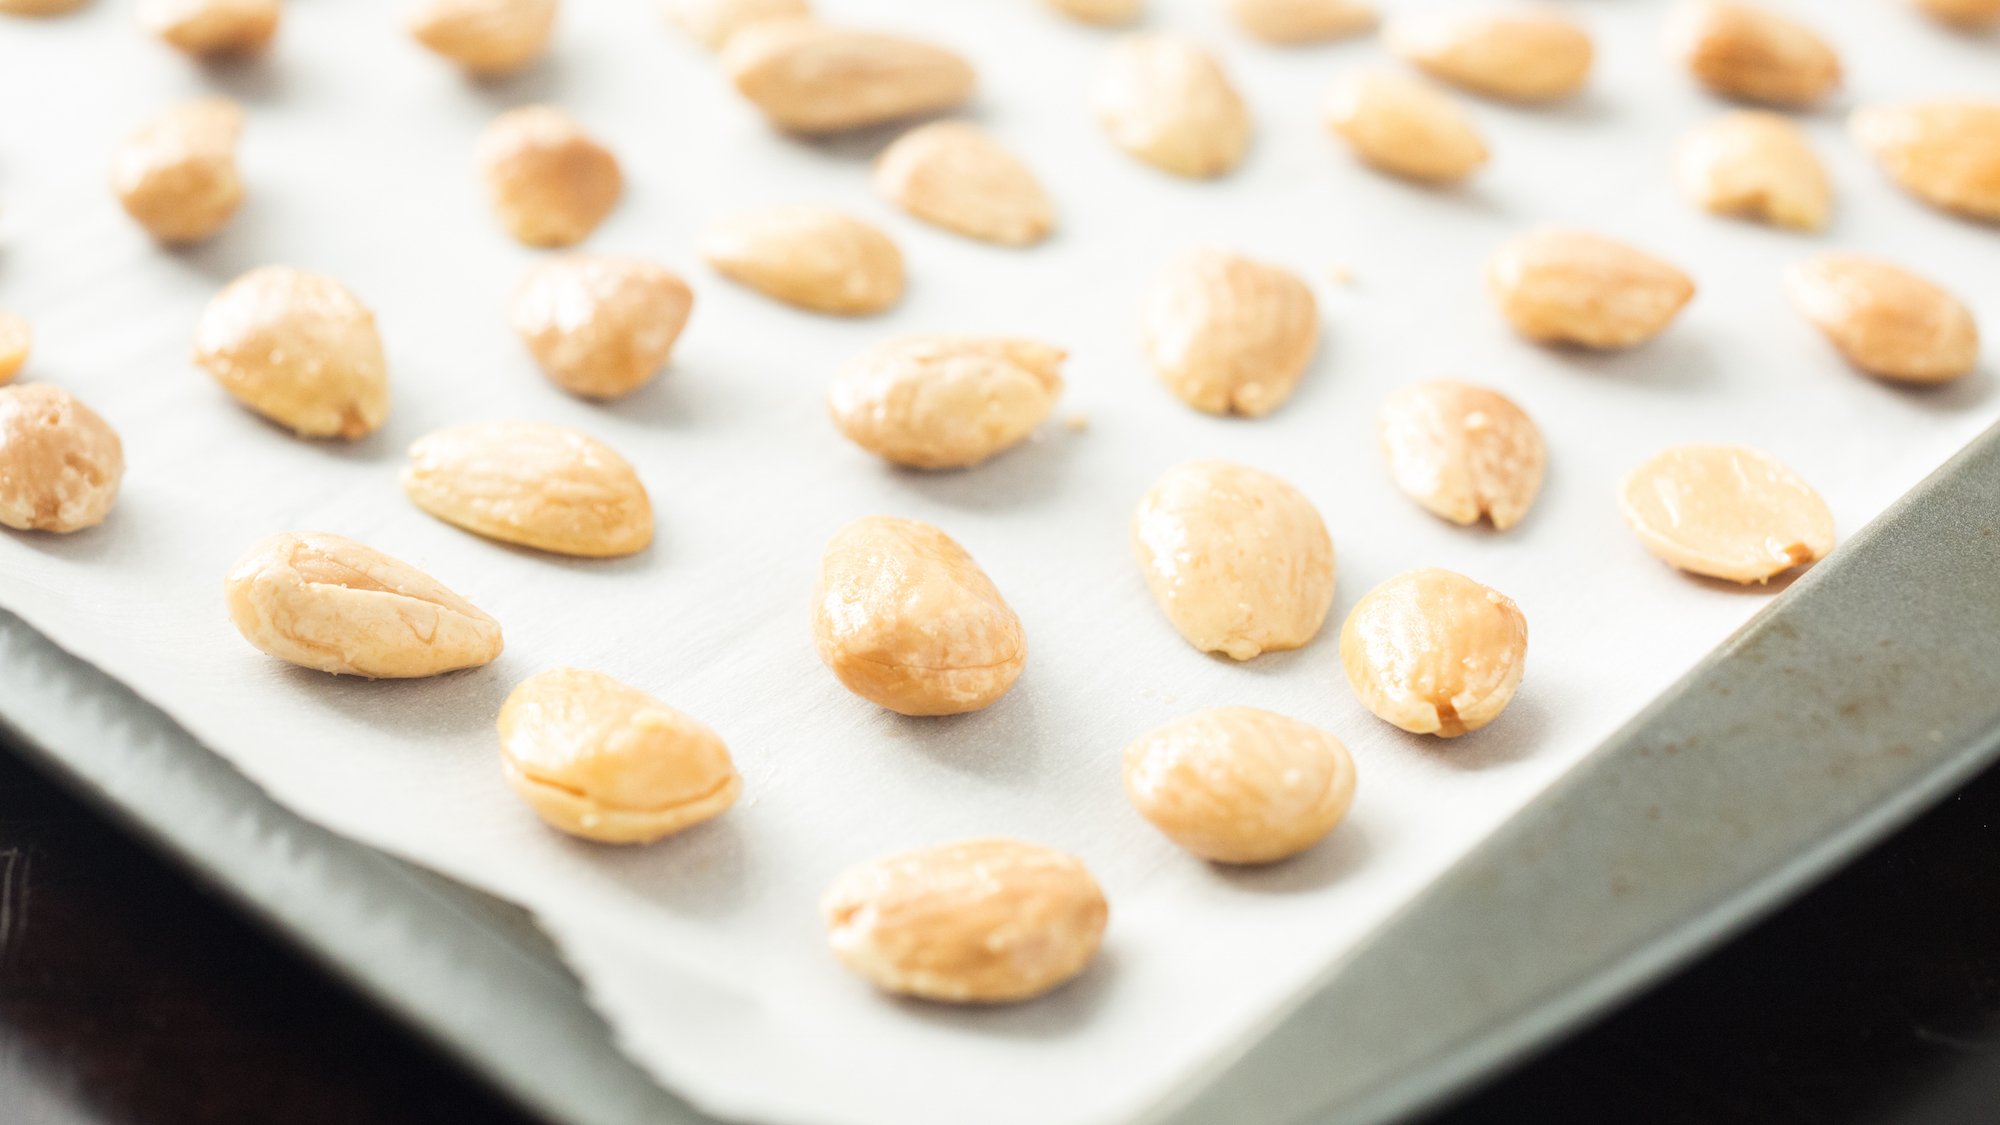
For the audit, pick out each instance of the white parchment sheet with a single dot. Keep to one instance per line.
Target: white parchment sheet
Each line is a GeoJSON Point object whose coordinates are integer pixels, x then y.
{"type": "Point", "coordinates": [706, 950]}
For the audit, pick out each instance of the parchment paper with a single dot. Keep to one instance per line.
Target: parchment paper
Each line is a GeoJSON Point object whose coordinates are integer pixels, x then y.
{"type": "Point", "coordinates": [706, 951]}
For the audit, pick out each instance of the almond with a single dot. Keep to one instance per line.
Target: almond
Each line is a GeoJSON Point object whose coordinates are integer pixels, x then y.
{"type": "Point", "coordinates": [211, 27]}
{"type": "Point", "coordinates": [1885, 319]}
{"type": "Point", "coordinates": [599, 326]}
{"type": "Point", "coordinates": [1227, 334]}
{"type": "Point", "coordinates": [1166, 100]}
{"type": "Point", "coordinates": [812, 257]}
{"type": "Point", "coordinates": [38, 7]}
{"type": "Point", "coordinates": [297, 348]}
{"type": "Point", "coordinates": [1574, 287]}
{"type": "Point", "coordinates": [712, 23]}
{"type": "Point", "coordinates": [955, 175]}
{"type": "Point", "coordinates": [1240, 785]}
{"type": "Point", "coordinates": [1103, 13]}
{"type": "Point", "coordinates": [1757, 165]}
{"type": "Point", "coordinates": [1750, 52]}
{"type": "Point", "coordinates": [1287, 22]}
{"type": "Point", "coordinates": [946, 402]}
{"type": "Point", "coordinates": [1726, 512]}
{"type": "Point", "coordinates": [60, 463]}
{"type": "Point", "coordinates": [1463, 451]}
{"type": "Point", "coordinates": [550, 182]}
{"type": "Point", "coordinates": [1434, 652]}
{"type": "Point", "coordinates": [177, 174]}
{"type": "Point", "coordinates": [810, 77]}
{"type": "Point", "coordinates": [16, 334]}
{"type": "Point", "coordinates": [1521, 54]}
{"type": "Point", "coordinates": [1945, 152]}
{"type": "Point", "coordinates": [485, 37]}
{"type": "Point", "coordinates": [1404, 126]}
{"type": "Point", "coordinates": [1964, 13]}
{"type": "Point", "coordinates": [531, 484]}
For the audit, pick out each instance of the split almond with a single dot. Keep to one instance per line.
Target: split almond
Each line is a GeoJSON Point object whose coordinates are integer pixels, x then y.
{"type": "Point", "coordinates": [550, 182]}
{"type": "Point", "coordinates": [1726, 512]}
{"type": "Point", "coordinates": [1434, 652]}
{"type": "Point", "coordinates": [485, 37]}
{"type": "Point", "coordinates": [60, 463]}
{"type": "Point", "coordinates": [531, 484]}
{"type": "Point", "coordinates": [16, 334]}
{"type": "Point", "coordinates": [208, 28]}
{"type": "Point", "coordinates": [955, 175]}
{"type": "Point", "coordinates": [599, 326]}
{"type": "Point", "coordinates": [1227, 334]}
{"type": "Point", "coordinates": [1103, 13]}
{"type": "Point", "coordinates": [1746, 51]}
{"type": "Point", "coordinates": [1240, 785]}
{"type": "Point", "coordinates": [1463, 452]}
{"type": "Point", "coordinates": [177, 174]}
{"type": "Point", "coordinates": [1755, 165]}
{"type": "Point", "coordinates": [1885, 319]}
{"type": "Point", "coordinates": [712, 23]}
{"type": "Point", "coordinates": [1944, 152]}
{"type": "Point", "coordinates": [1521, 54]}
{"type": "Point", "coordinates": [297, 348]}
{"type": "Point", "coordinates": [946, 402]}
{"type": "Point", "coordinates": [1167, 101]}
{"type": "Point", "coordinates": [1404, 126]}
{"type": "Point", "coordinates": [1574, 287]}
{"type": "Point", "coordinates": [1287, 22]}
{"type": "Point", "coordinates": [812, 257]}
{"type": "Point", "coordinates": [810, 77]}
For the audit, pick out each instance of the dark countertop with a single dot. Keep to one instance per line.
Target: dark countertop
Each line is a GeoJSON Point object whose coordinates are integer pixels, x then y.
{"type": "Point", "coordinates": [131, 995]}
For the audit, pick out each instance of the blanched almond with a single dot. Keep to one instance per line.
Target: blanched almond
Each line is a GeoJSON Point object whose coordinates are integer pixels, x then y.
{"type": "Point", "coordinates": [1302, 21]}
{"type": "Point", "coordinates": [211, 27]}
{"type": "Point", "coordinates": [1239, 560]}
{"type": "Point", "coordinates": [1524, 54]}
{"type": "Point", "coordinates": [1167, 101]}
{"type": "Point", "coordinates": [485, 36]}
{"type": "Point", "coordinates": [1463, 451]}
{"type": "Point", "coordinates": [1964, 13]}
{"type": "Point", "coordinates": [1240, 785]}
{"type": "Point", "coordinates": [16, 334]}
{"type": "Point", "coordinates": [811, 77]}
{"type": "Point", "coordinates": [813, 257]}
{"type": "Point", "coordinates": [954, 174]}
{"type": "Point", "coordinates": [328, 603]}
{"type": "Point", "coordinates": [599, 326]}
{"type": "Point", "coordinates": [1945, 152]}
{"type": "Point", "coordinates": [1227, 334]}
{"type": "Point", "coordinates": [1434, 652]}
{"type": "Point", "coordinates": [1104, 13]}
{"type": "Point", "coordinates": [1751, 52]}
{"type": "Point", "coordinates": [177, 174]}
{"type": "Point", "coordinates": [1885, 319]}
{"type": "Point", "coordinates": [1726, 512]}
{"type": "Point", "coordinates": [60, 463]}
{"type": "Point", "coordinates": [1404, 126]}
{"type": "Point", "coordinates": [945, 402]}
{"type": "Point", "coordinates": [1756, 165]}
{"type": "Point", "coordinates": [712, 23]}
{"type": "Point", "coordinates": [1574, 287]}
{"type": "Point", "coordinates": [297, 348]}
{"type": "Point", "coordinates": [550, 182]}
{"type": "Point", "coordinates": [532, 484]}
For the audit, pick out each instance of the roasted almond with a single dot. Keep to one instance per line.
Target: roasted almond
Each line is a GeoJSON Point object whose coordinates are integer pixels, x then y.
{"type": "Point", "coordinates": [1755, 165]}
{"type": "Point", "coordinates": [712, 23]}
{"type": "Point", "coordinates": [1165, 100]}
{"type": "Point", "coordinates": [1405, 126]}
{"type": "Point", "coordinates": [810, 77]}
{"type": "Point", "coordinates": [813, 257]}
{"type": "Point", "coordinates": [1240, 785]}
{"type": "Point", "coordinates": [945, 402]}
{"type": "Point", "coordinates": [1227, 334]}
{"type": "Point", "coordinates": [177, 174]}
{"type": "Point", "coordinates": [955, 175]}
{"type": "Point", "coordinates": [1103, 13]}
{"type": "Point", "coordinates": [1726, 512]}
{"type": "Point", "coordinates": [1286, 22]}
{"type": "Point", "coordinates": [297, 348]}
{"type": "Point", "coordinates": [1751, 52]}
{"type": "Point", "coordinates": [1434, 652]}
{"type": "Point", "coordinates": [211, 27]}
{"type": "Point", "coordinates": [60, 463]}
{"type": "Point", "coordinates": [1574, 287]}
{"type": "Point", "coordinates": [550, 182]}
{"type": "Point", "coordinates": [532, 484]}
{"type": "Point", "coordinates": [1463, 451]}
{"type": "Point", "coordinates": [1522, 54]}
{"type": "Point", "coordinates": [1945, 152]}
{"type": "Point", "coordinates": [16, 334]}
{"type": "Point", "coordinates": [599, 326]}
{"type": "Point", "coordinates": [1885, 319]}
{"type": "Point", "coordinates": [485, 36]}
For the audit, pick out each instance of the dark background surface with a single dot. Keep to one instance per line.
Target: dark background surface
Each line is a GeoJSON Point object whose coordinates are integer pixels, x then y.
{"type": "Point", "coordinates": [130, 995]}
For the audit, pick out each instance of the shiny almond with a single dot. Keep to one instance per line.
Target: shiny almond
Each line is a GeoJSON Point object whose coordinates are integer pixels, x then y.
{"type": "Point", "coordinates": [531, 484]}
{"type": "Point", "coordinates": [809, 77]}
{"type": "Point", "coordinates": [1751, 52]}
{"type": "Point", "coordinates": [599, 326]}
{"type": "Point", "coordinates": [1885, 319]}
{"type": "Point", "coordinates": [945, 402]}
{"type": "Point", "coordinates": [955, 175]}
{"type": "Point", "coordinates": [1755, 165]}
{"type": "Point", "coordinates": [1463, 451]}
{"type": "Point", "coordinates": [549, 181]}
{"type": "Point", "coordinates": [1945, 152]}
{"type": "Point", "coordinates": [1405, 126]}
{"type": "Point", "coordinates": [1434, 652]}
{"type": "Point", "coordinates": [1575, 287]}
{"type": "Point", "coordinates": [299, 349]}
{"type": "Point", "coordinates": [1165, 100]}
{"type": "Point", "coordinates": [1240, 785]}
{"type": "Point", "coordinates": [177, 175]}
{"type": "Point", "coordinates": [1227, 334]}
{"type": "Point", "coordinates": [60, 462]}
{"type": "Point", "coordinates": [1526, 54]}
{"type": "Point", "coordinates": [1288, 22]}
{"type": "Point", "coordinates": [812, 257]}
{"type": "Point", "coordinates": [1727, 512]}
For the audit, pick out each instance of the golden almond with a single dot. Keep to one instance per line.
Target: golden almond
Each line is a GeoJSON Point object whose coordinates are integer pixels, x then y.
{"type": "Point", "coordinates": [906, 619]}
{"type": "Point", "coordinates": [1973, 14]}
{"type": "Point", "coordinates": [1573, 287]}
{"type": "Point", "coordinates": [550, 182]}
{"type": "Point", "coordinates": [1751, 52]}
{"type": "Point", "coordinates": [1944, 152]}
{"type": "Point", "coordinates": [1287, 22]}
{"type": "Point", "coordinates": [1726, 512]}
{"type": "Point", "coordinates": [211, 27]}
{"type": "Point", "coordinates": [177, 174]}
{"type": "Point", "coordinates": [712, 23]}
{"type": "Point", "coordinates": [16, 335]}
{"type": "Point", "coordinates": [1434, 652]}
{"type": "Point", "coordinates": [60, 463]}
{"type": "Point", "coordinates": [1227, 334]}
{"type": "Point", "coordinates": [813, 257]}
{"type": "Point", "coordinates": [297, 348]}
{"type": "Point", "coordinates": [810, 77]}
{"type": "Point", "coordinates": [599, 326]}
{"type": "Point", "coordinates": [1239, 561]}
{"type": "Point", "coordinates": [1240, 785]}
{"type": "Point", "coordinates": [1103, 13]}
{"type": "Point", "coordinates": [1166, 100]}
{"type": "Point", "coordinates": [1755, 165]}
{"type": "Point", "coordinates": [1521, 54]}
{"type": "Point", "coordinates": [976, 922]}
{"type": "Point", "coordinates": [946, 402]}
{"type": "Point", "coordinates": [1463, 451]}
{"type": "Point", "coordinates": [955, 175]}
{"type": "Point", "coordinates": [531, 484]}
{"type": "Point", "coordinates": [325, 602]}
{"type": "Point", "coordinates": [1885, 319]}
{"type": "Point", "coordinates": [485, 37]}
{"type": "Point", "coordinates": [1405, 126]}
{"type": "Point", "coordinates": [599, 759]}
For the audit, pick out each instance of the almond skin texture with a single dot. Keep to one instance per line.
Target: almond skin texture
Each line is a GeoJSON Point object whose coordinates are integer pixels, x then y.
{"type": "Point", "coordinates": [1166, 100]}
{"type": "Point", "coordinates": [811, 78]}
{"type": "Point", "coordinates": [1520, 54]}
{"type": "Point", "coordinates": [1102, 13]}
{"type": "Point", "coordinates": [1886, 320]}
{"type": "Point", "coordinates": [1289, 22]}
{"type": "Point", "coordinates": [177, 174]}
{"type": "Point", "coordinates": [712, 23]}
{"type": "Point", "coordinates": [953, 174]}
{"type": "Point", "coordinates": [60, 463]}
{"type": "Point", "coordinates": [599, 326]}
{"type": "Point", "coordinates": [1404, 126]}
{"type": "Point", "coordinates": [975, 922]}
{"type": "Point", "coordinates": [485, 37]}
{"type": "Point", "coordinates": [1755, 165]}
{"type": "Point", "coordinates": [550, 182]}
{"type": "Point", "coordinates": [1240, 785]}
{"type": "Point", "coordinates": [1229, 335]}
{"type": "Point", "coordinates": [325, 602]}
{"type": "Point", "coordinates": [1944, 152]}
{"type": "Point", "coordinates": [1573, 287]}
{"type": "Point", "coordinates": [534, 485]}
{"type": "Point", "coordinates": [16, 335]}
{"type": "Point", "coordinates": [1972, 14]}
{"type": "Point", "coordinates": [1434, 652]}
{"type": "Point", "coordinates": [210, 28]}
{"type": "Point", "coordinates": [297, 348]}
{"type": "Point", "coordinates": [812, 257]}
{"type": "Point", "coordinates": [1753, 53]}
{"type": "Point", "coordinates": [607, 762]}
{"type": "Point", "coordinates": [946, 402]}
{"type": "Point", "coordinates": [1239, 561]}
{"type": "Point", "coordinates": [907, 620]}
{"type": "Point", "coordinates": [1463, 452]}
{"type": "Point", "coordinates": [1726, 512]}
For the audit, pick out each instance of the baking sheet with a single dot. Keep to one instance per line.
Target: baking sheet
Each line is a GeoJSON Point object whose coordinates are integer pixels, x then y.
{"type": "Point", "coordinates": [705, 951]}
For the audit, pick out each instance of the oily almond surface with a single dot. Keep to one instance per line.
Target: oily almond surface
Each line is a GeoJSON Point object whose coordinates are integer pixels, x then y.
{"type": "Point", "coordinates": [813, 257]}
{"type": "Point", "coordinates": [1755, 165]}
{"type": "Point", "coordinates": [1240, 785]}
{"type": "Point", "coordinates": [1885, 319]}
{"type": "Point", "coordinates": [60, 463]}
{"type": "Point", "coordinates": [809, 77]}
{"type": "Point", "coordinates": [1405, 126]}
{"type": "Point", "coordinates": [1463, 451]}
{"type": "Point", "coordinates": [532, 484]}
{"type": "Point", "coordinates": [1165, 100]}
{"type": "Point", "coordinates": [1575, 287]}
{"type": "Point", "coordinates": [297, 348]}
{"type": "Point", "coordinates": [957, 176]}
{"type": "Point", "coordinates": [1433, 652]}
{"type": "Point", "coordinates": [599, 326]}
{"type": "Point", "coordinates": [1726, 512]}
{"type": "Point", "coordinates": [485, 37]}
{"type": "Point", "coordinates": [1286, 22]}
{"type": "Point", "coordinates": [1228, 334]}
{"type": "Point", "coordinates": [1945, 152]}
{"type": "Point", "coordinates": [177, 175]}
{"type": "Point", "coordinates": [1752, 52]}
{"type": "Point", "coordinates": [550, 183]}
{"type": "Point", "coordinates": [211, 27]}
{"type": "Point", "coordinates": [945, 402]}
{"type": "Point", "coordinates": [1527, 54]}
